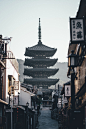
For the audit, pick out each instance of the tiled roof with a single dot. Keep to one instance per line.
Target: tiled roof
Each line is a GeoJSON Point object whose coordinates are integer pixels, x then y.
{"type": "Point", "coordinates": [41, 79]}
{"type": "Point", "coordinates": [46, 59]}
{"type": "Point", "coordinates": [41, 69]}
{"type": "Point", "coordinates": [32, 62]}
{"type": "Point", "coordinates": [41, 47]}
{"type": "Point", "coordinates": [48, 72]}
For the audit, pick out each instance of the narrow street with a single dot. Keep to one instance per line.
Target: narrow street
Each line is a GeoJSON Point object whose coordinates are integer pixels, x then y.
{"type": "Point", "coordinates": [45, 121]}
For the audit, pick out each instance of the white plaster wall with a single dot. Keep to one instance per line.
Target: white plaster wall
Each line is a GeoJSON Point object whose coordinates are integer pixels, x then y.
{"type": "Point", "coordinates": [10, 70]}
{"type": "Point", "coordinates": [24, 97]}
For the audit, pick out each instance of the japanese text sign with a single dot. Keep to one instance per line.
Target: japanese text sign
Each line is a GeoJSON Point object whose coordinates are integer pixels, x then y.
{"type": "Point", "coordinates": [67, 90]}
{"type": "Point", "coordinates": [77, 30]}
{"type": "Point", "coordinates": [16, 85]}
{"type": "Point", "coordinates": [15, 100]}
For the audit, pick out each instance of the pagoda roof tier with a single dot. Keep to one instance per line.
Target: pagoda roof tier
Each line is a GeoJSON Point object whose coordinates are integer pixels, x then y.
{"type": "Point", "coordinates": [39, 71]}
{"type": "Point", "coordinates": [40, 48]}
{"type": "Point", "coordinates": [41, 81]}
{"type": "Point", "coordinates": [33, 62]}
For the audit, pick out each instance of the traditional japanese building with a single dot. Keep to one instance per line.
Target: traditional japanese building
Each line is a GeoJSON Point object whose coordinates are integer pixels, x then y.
{"type": "Point", "coordinates": [80, 71]}
{"type": "Point", "coordinates": [40, 62]}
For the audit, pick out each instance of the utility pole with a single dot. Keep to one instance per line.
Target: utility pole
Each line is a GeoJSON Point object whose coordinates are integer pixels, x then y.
{"type": "Point", "coordinates": [11, 118]}
{"type": "Point", "coordinates": [11, 111]}
{"type": "Point", "coordinates": [72, 98]}
{"type": "Point", "coordinates": [58, 90]}
{"type": "Point", "coordinates": [73, 90]}
{"type": "Point", "coordinates": [11, 108]}
{"type": "Point", "coordinates": [55, 87]}
{"type": "Point", "coordinates": [58, 98]}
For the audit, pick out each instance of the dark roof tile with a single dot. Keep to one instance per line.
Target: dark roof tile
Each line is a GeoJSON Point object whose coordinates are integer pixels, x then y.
{"type": "Point", "coordinates": [41, 47]}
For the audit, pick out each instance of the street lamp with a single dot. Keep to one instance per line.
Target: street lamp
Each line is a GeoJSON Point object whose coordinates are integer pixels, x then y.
{"type": "Point", "coordinates": [72, 59]}
{"type": "Point", "coordinates": [72, 62]}
{"type": "Point", "coordinates": [27, 104]}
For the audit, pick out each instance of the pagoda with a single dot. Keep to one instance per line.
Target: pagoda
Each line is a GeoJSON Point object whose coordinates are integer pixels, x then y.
{"type": "Point", "coordinates": [39, 61]}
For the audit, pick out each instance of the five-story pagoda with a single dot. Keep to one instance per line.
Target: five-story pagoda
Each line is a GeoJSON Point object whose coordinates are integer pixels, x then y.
{"type": "Point", "coordinates": [40, 61]}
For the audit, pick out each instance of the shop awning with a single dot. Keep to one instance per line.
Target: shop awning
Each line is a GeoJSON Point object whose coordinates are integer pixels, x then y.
{"type": "Point", "coordinates": [3, 102]}
{"type": "Point", "coordinates": [32, 94]}
{"type": "Point", "coordinates": [21, 107]}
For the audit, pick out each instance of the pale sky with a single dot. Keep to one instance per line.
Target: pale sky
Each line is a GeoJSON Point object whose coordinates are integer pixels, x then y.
{"type": "Point", "coordinates": [20, 18]}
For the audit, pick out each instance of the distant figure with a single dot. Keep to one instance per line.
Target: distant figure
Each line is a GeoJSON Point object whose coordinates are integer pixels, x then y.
{"type": "Point", "coordinates": [67, 90]}
{"type": "Point", "coordinates": [38, 109]}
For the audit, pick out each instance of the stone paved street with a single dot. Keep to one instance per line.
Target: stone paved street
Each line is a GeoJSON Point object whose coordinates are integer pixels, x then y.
{"type": "Point", "coordinates": [45, 121]}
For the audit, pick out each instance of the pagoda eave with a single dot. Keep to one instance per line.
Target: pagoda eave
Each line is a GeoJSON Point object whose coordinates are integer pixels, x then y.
{"type": "Point", "coordinates": [32, 53]}
{"type": "Point", "coordinates": [41, 81]}
{"type": "Point", "coordinates": [32, 62]}
{"type": "Point", "coordinates": [32, 72]}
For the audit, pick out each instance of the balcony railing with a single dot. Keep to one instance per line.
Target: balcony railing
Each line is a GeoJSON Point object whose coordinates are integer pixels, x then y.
{"type": "Point", "coordinates": [14, 61]}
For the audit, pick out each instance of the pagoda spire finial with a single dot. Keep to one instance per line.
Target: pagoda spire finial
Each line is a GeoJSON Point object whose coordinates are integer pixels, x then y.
{"type": "Point", "coordinates": [39, 32]}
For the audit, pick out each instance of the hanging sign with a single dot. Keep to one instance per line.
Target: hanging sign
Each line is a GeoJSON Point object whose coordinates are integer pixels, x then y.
{"type": "Point", "coordinates": [67, 90]}
{"type": "Point", "coordinates": [16, 85]}
{"type": "Point", "coordinates": [77, 30]}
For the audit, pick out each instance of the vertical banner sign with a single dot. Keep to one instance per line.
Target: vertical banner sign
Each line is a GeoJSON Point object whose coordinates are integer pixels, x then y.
{"type": "Point", "coordinates": [67, 90]}
{"type": "Point", "coordinates": [77, 30]}
{"type": "Point", "coordinates": [16, 85]}
{"type": "Point", "coordinates": [15, 100]}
